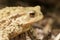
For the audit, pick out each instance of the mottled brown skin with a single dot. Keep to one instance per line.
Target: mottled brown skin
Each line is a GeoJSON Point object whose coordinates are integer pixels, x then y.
{"type": "Point", "coordinates": [16, 20]}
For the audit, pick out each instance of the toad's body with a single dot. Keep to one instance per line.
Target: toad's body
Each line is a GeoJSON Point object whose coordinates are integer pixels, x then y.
{"type": "Point", "coordinates": [16, 20]}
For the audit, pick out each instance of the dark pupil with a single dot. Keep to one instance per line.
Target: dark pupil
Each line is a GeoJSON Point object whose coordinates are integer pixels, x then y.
{"type": "Point", "coordinates": [32, 14]}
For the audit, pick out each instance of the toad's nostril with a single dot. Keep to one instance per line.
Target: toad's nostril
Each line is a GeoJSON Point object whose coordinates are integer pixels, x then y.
{"type": "Point", "coordinates": [32, 14]}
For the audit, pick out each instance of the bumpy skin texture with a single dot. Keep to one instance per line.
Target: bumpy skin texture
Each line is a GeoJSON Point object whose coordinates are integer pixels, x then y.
{"type": "Point", "coordinates": [16, 20]}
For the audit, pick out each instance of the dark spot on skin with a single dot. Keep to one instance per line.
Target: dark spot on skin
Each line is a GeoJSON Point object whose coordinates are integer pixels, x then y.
{"type": "Point", "coordinates": [3, 21]}
{"type": "Point", "coordinates": [16, 16]}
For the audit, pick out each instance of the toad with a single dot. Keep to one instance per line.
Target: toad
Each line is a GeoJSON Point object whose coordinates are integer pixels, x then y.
{"type": "Point", "coordinates": [16, 20]}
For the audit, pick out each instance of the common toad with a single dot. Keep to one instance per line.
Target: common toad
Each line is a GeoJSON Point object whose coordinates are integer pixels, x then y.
{"type": "Point", "coordinates": [16, 20]}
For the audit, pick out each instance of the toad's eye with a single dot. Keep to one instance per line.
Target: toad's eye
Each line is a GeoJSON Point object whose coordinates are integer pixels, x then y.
{"type": "Point", "coordinates": [32, 14]}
